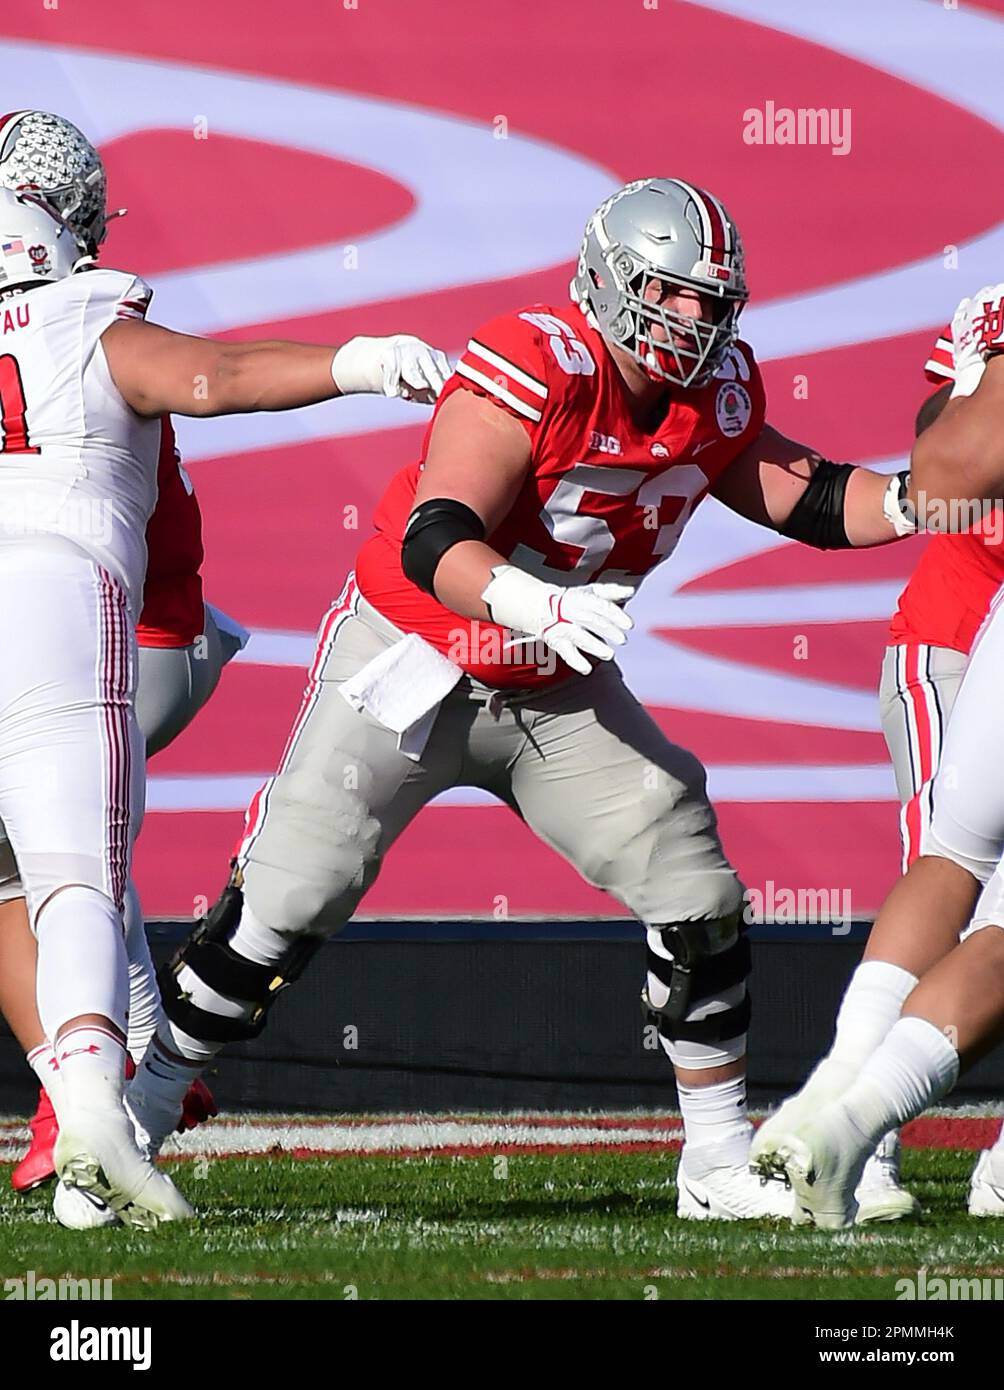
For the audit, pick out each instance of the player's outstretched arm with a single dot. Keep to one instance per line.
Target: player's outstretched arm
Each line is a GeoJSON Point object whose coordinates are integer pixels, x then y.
{"type": "Point", "coordinates": [793, 490]}
{"type": "Point", "coordinates": [159, 372]}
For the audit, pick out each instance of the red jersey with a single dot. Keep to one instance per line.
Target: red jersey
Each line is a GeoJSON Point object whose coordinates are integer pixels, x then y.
{"type": "Point", "coordinates": [606, 496]}
{"type": "Point", "coordinates": [173, 614]}
{"type": "Point", "coordinates": [949, 593]}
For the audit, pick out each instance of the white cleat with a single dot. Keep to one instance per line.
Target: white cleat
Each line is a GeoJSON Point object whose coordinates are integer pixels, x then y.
{"type": "Point", "coordinates": [881, 1195]}
{"type": "Point", "coordinates": [823, 1160]}
{"type": "Point", "coordinates": [724, 1191]}
{"type": "Point", "coordinates": [986, 1189]}
{"type": "Point", "coordinates": [79, 1210]}
{"type": "Point", "coordinates": [826, 1084]}
{"type": "Point", "coordinates": [96, 1152]}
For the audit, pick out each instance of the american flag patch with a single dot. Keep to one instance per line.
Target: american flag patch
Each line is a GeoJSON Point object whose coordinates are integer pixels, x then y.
{"type": "Point", "coordinates": [13, 248]}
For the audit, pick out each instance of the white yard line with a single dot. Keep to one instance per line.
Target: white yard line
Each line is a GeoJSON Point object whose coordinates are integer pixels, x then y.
{"type": "Point", "coordinates": [430, 1135]}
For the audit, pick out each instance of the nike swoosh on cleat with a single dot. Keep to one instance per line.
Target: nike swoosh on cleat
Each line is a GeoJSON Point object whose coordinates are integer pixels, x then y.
{"type": "Point", "coordinates": [701, 1201]}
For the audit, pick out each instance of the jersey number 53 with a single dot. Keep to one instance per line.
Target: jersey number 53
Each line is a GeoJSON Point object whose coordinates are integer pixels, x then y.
{"type": "Point", "coordinates": [565, 515]}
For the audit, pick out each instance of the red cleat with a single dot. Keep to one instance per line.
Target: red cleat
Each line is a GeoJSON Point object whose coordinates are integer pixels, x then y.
{"type": "Point", "coordinates": [197, 1107]}
{"type": "Point", "coordinates": [37, 1165]}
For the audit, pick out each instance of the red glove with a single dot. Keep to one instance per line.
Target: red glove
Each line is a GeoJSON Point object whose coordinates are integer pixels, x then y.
{"type": "Point", "coordinates": [197, 1107]}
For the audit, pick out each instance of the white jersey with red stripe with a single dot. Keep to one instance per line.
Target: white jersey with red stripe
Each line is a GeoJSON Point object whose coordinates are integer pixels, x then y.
{"type": "Point", "coordinates": [607, 495]}
{"type": "Point", "coordinates": [75, 460]}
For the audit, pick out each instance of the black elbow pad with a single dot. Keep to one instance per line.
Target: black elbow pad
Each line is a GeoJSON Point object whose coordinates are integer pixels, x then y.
{"type": "Point", "coordinates": [817, 518]}
{"type": "Point", "coordinates": [433, 527]}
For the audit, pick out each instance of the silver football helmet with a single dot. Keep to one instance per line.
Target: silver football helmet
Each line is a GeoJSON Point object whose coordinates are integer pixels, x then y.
{"type": "Point", "coordinates": [48, 154]}
{"type": "Point", "coordinates": [671, 231]}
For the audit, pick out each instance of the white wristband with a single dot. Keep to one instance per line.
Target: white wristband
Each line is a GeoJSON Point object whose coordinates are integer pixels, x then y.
{"type": "Point", "coordinates": [356, 368]}
{"type": "Point", "coordinates": [901, 520]}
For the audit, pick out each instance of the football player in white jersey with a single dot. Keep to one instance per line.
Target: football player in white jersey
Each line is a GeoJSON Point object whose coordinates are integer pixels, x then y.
{"type": "Point", "coordinates": [177, 670]}
{"type": "Point", "coordinates": [84, 382]}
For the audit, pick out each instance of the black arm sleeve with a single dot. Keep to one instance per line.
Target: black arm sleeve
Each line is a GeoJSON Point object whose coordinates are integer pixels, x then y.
{"type": "Point", "coordinates": [817, 518]}
{"type": "Point", "coordinates": [433, 527]}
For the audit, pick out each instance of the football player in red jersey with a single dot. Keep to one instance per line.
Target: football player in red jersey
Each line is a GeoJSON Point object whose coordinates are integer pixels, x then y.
{"type": "Point", "coordinates": [934, 626]}
{"type": "Point", "coordinates": [474, 646]}
{"type": "Point", "coordinates": [183, 642]}
{"type": "Point", "coordinates": [925, 1005]}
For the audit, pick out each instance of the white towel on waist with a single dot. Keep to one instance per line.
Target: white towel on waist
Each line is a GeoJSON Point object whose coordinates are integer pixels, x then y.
{"type": "Point", "coordinates": [402, 685]}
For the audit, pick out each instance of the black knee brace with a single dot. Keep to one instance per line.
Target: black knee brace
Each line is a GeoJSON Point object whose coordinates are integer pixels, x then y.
{"type": "Point", "coordinates": [208, 954]}
{"type": "Point", "coordinates": [708, 958]}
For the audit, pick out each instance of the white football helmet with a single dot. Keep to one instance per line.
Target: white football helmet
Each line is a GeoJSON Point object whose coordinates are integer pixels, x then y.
{"type": "Point", "coordinates": [48, 154]}
{"type": "Point", "coordinates": [36, 245]}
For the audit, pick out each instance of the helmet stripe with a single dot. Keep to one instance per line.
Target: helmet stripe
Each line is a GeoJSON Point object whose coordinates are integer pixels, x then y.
{"type": "Point", "coordinates": [721, 235]}
{"type": "Point", "coordinates": [715, 226]}
{"type": "Point", "coordinates": [8, 123]}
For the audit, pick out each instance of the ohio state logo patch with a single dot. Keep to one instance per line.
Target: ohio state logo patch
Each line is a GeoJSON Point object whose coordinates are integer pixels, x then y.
{"type": "Point", "coordinates": [39, 257]}
{"type": "Point", "coordinates": [733, 408]}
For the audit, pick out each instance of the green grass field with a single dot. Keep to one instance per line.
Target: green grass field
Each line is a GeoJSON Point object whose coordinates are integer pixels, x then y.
{"type": "Point", "coordinates": [567, 1226]}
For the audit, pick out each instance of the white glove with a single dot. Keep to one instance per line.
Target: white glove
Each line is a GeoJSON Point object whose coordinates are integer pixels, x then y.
{"type": "Point", "coordinates": [977, 331]}
{"type": "Point", "coordinates": [569, 621]}
{"type": "Point", "coordinates": [400, 365]}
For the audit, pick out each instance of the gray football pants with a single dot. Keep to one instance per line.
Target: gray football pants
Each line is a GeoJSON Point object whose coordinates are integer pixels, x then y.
{"type": "Point", "coordinates": [582, 764]}
{"type": "Point", "coordinates": [173, 683]}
